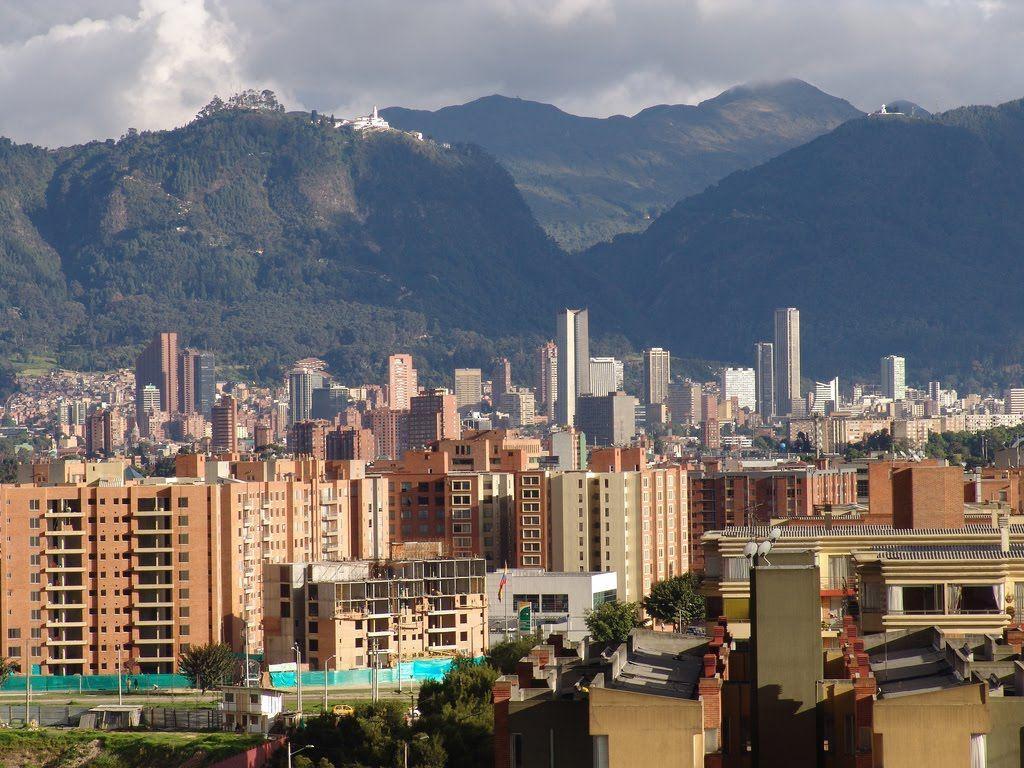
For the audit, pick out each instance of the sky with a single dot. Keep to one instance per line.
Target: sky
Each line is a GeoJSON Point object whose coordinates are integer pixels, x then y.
{"type": "Point", "coordinates": [75, 70]}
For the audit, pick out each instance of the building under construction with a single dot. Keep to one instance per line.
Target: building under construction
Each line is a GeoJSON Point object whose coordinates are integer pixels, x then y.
{"type": "Point", "coordinates": [348, 615]}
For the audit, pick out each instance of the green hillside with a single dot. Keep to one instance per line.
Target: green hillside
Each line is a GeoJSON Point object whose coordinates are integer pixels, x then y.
{"type": "Point", "coordinates": [588, 179]}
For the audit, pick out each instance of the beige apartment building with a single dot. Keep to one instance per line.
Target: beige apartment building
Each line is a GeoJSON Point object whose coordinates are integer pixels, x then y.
{"type": "Point", "coordinates": [149, 567]}
{"type": "Point", "coordinates": [632, 522]}
{"type": "Point", "coordinates": [345, 615]}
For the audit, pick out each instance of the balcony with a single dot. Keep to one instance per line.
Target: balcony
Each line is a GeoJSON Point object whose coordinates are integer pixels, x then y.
{"type": "Point", "coordinates": [62, 546]}
{"type": "Point", "coordinates": [153, 543]}
{"type": "Point", "coordinates": [63, 508]}
{"type": "Point", "coordinates": [64, 563]}
{"type": "Point", "coordinates": [839, 586]}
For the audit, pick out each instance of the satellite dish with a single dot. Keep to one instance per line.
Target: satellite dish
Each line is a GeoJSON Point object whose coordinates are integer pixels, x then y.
{"type": "Point", "coordinates": [773, 534]}
{"type": "Point", "coordinates": [750, 550]}
{"type": "Point", "coordinates": [763, 549]}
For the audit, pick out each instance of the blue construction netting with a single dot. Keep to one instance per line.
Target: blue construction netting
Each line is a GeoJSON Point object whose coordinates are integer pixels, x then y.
{"type": "Point", "coordinates": [418, 671]}
{"type": "Point", "coordinates": [83, 683]}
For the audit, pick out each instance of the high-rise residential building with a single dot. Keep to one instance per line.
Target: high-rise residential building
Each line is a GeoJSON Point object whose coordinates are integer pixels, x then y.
{"type": "Point", "coordinates": [826, 396]}
{"type": "Point", "coordinates": [402, 384]}
{"type": "Point", "coordinates": [764, 360]}
{"type": "Point", "coordinates": [99, 438]}
{"type": "Point", "coordinates": [684, 403]}
{"type": "Point", "coordinates": [657, 374]}
{"type": "Point", "coordinates": [642, 516]}
{"type": "Point", "coordinates": [787, 359]}
{"type": "Point", "coordinates": [606, 375]}
{"type": "Point", "coordinates": [573, 362]}
{"type": "Point", "coordinates": [224, 423]}
{"type": "Point", "coordinates": [894, 377]}
{"type": "Point", "coordinates": [302, 381]}
{"type": "Point", "coordinates": [433, 416]}
{"type": "Point", "coordinates": [935, 391]}
{"type": "Point", "coordinates": [197, 385]}
{"type": "Point", "coordinates": [390, 429]}
{"type": "Point", "coordinates": [157, 364]}
{"type": "Point", "coordinates": [547, 378]}
{"type": "Point", "coordinates": [350, 444]}
{"type": "Point", "coordinates": [607, 419]}
{"type": "Point", "coordinates": [501, 378]}
{"type": "Point", "coordinates": [469, 388]}
{"type": "Point", "coordinates": [151, 568]}
{"type": "Point", "coordinates": [740, 383]}
{"type": "Point", "coordinates": [1014, 401]}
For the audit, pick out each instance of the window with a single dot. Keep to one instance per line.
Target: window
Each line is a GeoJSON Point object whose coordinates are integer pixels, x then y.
{"type": "Point", "coordinates": [515, 757]}
{"type": "Point", "coordinates": [286, 610]}
{"type": "Point", "coordinates": [554, 603]}
{"type": "Point", "coordinates": [13, 633]}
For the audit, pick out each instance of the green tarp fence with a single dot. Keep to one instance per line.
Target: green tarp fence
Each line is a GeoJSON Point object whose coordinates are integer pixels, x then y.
{"type": "Point", "coordinates": [420, 670]}
{"type": "Point", "coordinates": [129, 683]}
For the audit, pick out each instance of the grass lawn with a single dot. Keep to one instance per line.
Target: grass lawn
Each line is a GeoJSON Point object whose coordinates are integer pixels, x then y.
{"type": "Point", "coordinates": [53, 748]}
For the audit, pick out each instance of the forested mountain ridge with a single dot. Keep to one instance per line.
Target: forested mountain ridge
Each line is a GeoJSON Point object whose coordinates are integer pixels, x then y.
{"type": "Point", "coordinates": [587, 179]}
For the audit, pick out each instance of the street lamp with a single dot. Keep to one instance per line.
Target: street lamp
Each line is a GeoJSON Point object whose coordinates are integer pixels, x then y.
{"type": "Point", "coordinates": [418, 737]}
{"type": "Point", "coordinates": [288, 748]}
{"type": "Point", "coordinates": [327, 665]}
{"type": "Point", "coordinates": [298, 680]}
{"type": "Point", "coordinates": [120, 672]}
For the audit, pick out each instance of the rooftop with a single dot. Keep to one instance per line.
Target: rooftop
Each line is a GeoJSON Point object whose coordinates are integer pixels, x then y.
{"type": "Point", "coordinates": [950, 552]}
{"type": "Point", "coordinates": [858, 531]}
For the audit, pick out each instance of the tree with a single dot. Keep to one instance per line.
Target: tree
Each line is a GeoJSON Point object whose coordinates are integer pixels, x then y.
{"type": "Point", "coordinates": [207, 666]}
{"type": "Point", "coordinates": [677, 600]}
{"type": "Point", "coordinates": [612, 622]}
{"type": "Point", "coordinates": [458, 709]}
{"type": "Point", "coordinates": [7, 668]}
{"type": "Point", "coordinates": [505, 656]}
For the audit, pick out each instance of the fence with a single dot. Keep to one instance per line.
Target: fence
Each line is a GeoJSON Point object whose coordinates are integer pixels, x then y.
{"type": "Point", "coordinates": [166, 719]}
{"type": "Point", "coordinates": [416, 671]}
{"type": "Point", "coordinates": [84, 683]}
{"type": "Point", "coordinates": [43, 714]}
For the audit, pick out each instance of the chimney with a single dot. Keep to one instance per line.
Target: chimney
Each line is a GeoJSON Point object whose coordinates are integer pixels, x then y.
{"type": "Point", "coordinates": [1004, 532]}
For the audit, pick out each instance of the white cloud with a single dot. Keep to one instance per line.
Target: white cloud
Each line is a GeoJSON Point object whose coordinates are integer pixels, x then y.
{"type": "Point", "coordinates": [71, 70]}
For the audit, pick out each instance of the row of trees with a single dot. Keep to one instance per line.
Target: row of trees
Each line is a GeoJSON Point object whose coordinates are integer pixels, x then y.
{"type": "Point", "coordinates": [674, 601]}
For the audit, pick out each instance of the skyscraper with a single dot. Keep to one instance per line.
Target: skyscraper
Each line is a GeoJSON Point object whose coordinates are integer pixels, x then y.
{"type": "Point", "coordinates": [740, 383]}
{"type": "Point", "coordinates": [764, 361]}
{"type": "Point", "coordinates": [657, 374]}
{"type": "Point", "coordinates": [469, 390]}
{"type": "Point", "coordinates": [787, 359]}
{"type": "Point", "coordinates": [401, 381]}
{"type": "Point", "coordinates": [224, 418]}
{"type": "Point", "coordinates": [196, 381]}
{"type": "Point", "coordinates": [433, 416]}
{"type": "Point", "coordinates": [826, 396]}
{"type": "Point", "coordinates": [894, 377]}
{"type": "Point", "coordinates": [157, 364]}
{"type": "Point", "coordinates": [606, 375]}
{"type": "Point", "coordinates": [547, 377]}
{"type": "Point", "coordinates": [573, 362]}
{"type": "Point", "coordinates": [301, 383]}
{"type": "Point", "coordinates": [501, 378]}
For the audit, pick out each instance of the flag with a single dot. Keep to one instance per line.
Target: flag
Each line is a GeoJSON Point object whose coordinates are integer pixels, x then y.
{"type": "Point", "coordinates": [502, 583]}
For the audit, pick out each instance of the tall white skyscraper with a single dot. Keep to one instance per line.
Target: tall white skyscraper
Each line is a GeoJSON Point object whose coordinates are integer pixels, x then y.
{"type": "Point", "coordinates": [764, 362]}
{"type": "Point", "coordinates": [573, 363]}
{"type": "Point", "coordinates": [826, 396]}
{"type": "Point", "coordinates": [402, 384]}
{"type": "Point", "coordinates": [740, 383]}
{"type": "Point", "coordinates": [606, 375]}
{"type": "Point", "coordinates": [787, 359]}
{"type": "Point", "coordinates": [894, 377]}
{"type": "Point", "coordinates": [657, 374]}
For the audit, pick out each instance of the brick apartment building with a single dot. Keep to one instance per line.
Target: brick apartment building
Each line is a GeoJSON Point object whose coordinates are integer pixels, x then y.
{"type": "Point", "coordinates": [154, 566]}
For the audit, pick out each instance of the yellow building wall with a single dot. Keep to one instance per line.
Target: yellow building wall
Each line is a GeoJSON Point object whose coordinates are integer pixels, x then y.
{"type": "Point", "coordinates": [641, 728]}
{"type": "Point", "coordinates": [930, 729]}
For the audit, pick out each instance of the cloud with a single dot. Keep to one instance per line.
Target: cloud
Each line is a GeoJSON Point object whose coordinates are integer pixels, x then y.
{"type": "Point", "coordinates": [72, 70]}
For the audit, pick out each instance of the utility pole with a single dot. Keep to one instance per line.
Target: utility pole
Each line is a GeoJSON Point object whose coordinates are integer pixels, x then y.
{"type": "Point", "coordinates": [120, 695]}
{"type": "Point", "coordinates": [327, 666]}
{"type": "Point", "coordinates": [298, 678]}
{"type": "Point", "coordinates": [28, 682]}
{"type": "Point", "coordinates": [373, 672]}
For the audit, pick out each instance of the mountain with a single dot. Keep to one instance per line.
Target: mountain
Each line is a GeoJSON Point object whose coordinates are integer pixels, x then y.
{"type": "Point", "coordinates": [892, 235]}
{"type": "Point", "coordinates": [587, 179]}
{"type": "Point", "coordinates": [268, 236]}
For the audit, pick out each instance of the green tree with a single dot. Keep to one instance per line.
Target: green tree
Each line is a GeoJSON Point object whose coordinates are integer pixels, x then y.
{"type": "Point", "coordinates": [207, 666]}
{"type": "Point", "coordinates": [7, 668]}
{"type": "Point", "coordinates": [612, 622]}
{"type": "Point", "coordinates": [676, 599]}
{"type": "Point", "coordinates": [505, 656]}
{"type": "Point", "coordinates": [458, 709]}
